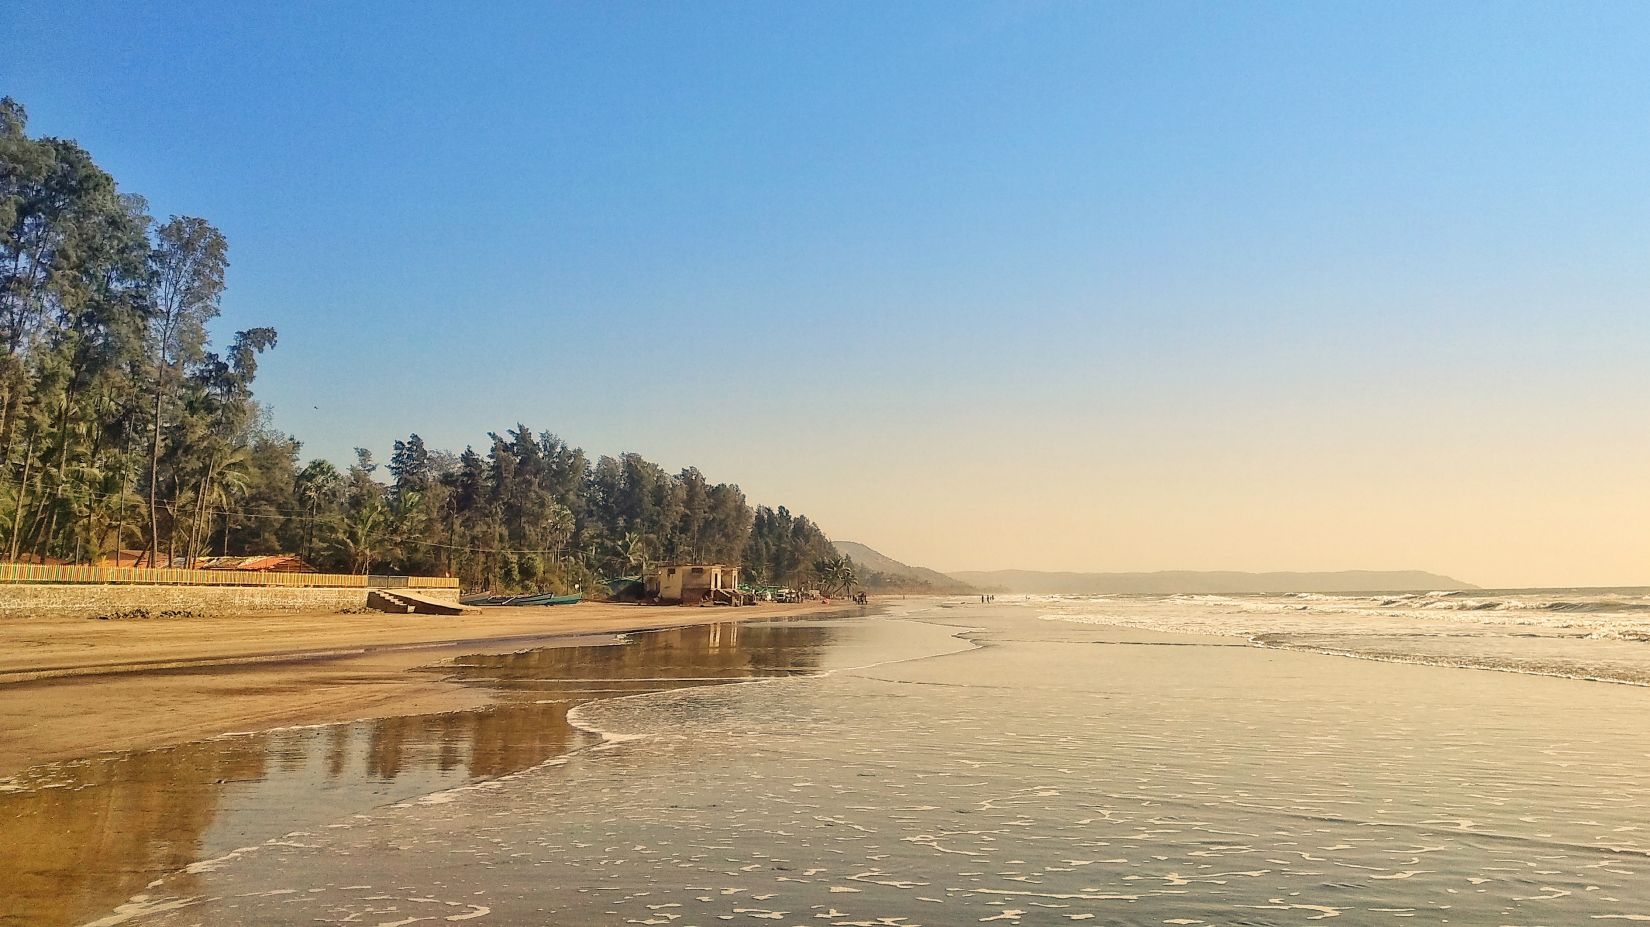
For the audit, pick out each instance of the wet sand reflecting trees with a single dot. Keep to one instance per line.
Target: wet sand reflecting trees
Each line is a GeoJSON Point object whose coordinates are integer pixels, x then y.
{"type": "Point", "coordinates": [78, 839]}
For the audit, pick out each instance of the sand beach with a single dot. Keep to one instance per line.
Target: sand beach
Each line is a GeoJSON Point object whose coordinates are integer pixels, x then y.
{"type": "Point", "coordinates": [1030, 762]}
{"type": "Point", "coordinates": [71, 686]}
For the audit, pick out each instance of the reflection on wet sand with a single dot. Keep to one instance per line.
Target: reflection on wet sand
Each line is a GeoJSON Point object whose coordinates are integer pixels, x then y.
{"type": "Point", "coordinates": [77, 839]}
{"type": "Point", "coordinates": [107, 829]}
{"type": "Point", "coordinates": [708, 652]}
{"type": "Point", "coordinates": [1056, 773]}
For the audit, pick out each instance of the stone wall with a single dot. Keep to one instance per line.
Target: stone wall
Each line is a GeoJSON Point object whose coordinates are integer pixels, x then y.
{"type": "Point", "coordinates": [70, 598]}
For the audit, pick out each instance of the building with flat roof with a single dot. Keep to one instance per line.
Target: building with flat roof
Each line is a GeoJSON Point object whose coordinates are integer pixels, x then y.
{"type": "Point", "coordinates": [694, 583]}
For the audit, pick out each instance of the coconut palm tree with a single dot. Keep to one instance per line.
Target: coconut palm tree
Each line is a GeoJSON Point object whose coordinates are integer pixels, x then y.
{"type": "Point", "coordinates": [632, 551]}
{"type": "Point", "coordinates": [836, 575]}
{"type": "Point", "coordinates": [232, 481]}
{"type": "Point", "coordinates": [558, 529]}
{"type": "Point", "coordinates": [405, 518]}
{"type": "Point", "coordinates": [226, 478]}
{"type": "Point", "coordinates": [320, 486]}
{"type": "Point", "coordinates": [360, 531]}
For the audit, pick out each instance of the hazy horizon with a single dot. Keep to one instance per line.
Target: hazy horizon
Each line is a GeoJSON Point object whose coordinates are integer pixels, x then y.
{"type": "Point", "coordinates": [984, 286]}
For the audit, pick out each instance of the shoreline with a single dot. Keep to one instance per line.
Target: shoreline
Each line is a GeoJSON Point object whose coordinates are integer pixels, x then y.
{"type": "Point", "coordinates": [678, 788]}
{"type": "Point", "coordinates": [168, 813]}
{"type": "Point", "coordinates": [72, 688]}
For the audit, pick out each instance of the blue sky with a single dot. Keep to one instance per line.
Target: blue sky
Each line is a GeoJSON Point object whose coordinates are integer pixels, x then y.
{"type": "Point", "coordinates": [1188, 281]}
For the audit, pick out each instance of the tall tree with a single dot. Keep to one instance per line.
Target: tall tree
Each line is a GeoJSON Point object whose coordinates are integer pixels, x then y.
{"type": "Point", "coordinates": [320, 489]}
{"type": "Point", "coordinates": [71, 288]}
{"type": "Point", "coordinates": [115, 410]}
{"type": "Point", "coordinates": [187, 263]}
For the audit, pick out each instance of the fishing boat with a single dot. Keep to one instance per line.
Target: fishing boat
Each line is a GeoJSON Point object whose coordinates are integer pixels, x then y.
{"type": "Point", "coordinates": [548, 598]}
{"type": "Point", "coordinates": [542, 598]}
{"type": "Point", "coordinates": [485, 600]}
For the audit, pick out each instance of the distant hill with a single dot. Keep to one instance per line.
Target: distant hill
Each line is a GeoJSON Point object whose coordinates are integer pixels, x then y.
{"type": "Point", "coordinates": [1172, 581]}
{"type": "Point", "coordinates": [878, 571]}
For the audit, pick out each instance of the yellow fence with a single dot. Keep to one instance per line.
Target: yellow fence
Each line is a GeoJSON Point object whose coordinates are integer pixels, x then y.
{"type": "Point", "coordinates": [47, 573]}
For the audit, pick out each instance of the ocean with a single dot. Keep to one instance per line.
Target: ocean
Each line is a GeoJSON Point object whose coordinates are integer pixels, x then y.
{"type": "Point", "coordinates": [1579, 633]}
{"type": "Point", "coordinates": [1466, 758]}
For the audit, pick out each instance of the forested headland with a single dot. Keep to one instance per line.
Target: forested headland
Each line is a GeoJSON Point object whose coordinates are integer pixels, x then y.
{"type": "Point", "coordinates": [124, 428]}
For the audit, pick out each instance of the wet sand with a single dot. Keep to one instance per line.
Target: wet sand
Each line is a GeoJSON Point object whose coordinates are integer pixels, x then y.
{"type": "Point", "coordinates": [984, 766]}
{"type": "Point", "coordinates": [937, 763]}
{"type": "Point", "coordinates": [71, 686]}
{"type": "Point", "coordinates": [79, 838]}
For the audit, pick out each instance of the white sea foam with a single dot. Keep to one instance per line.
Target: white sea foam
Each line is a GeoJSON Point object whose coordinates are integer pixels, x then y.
{"type": "Point", "coordinates": [141, 907]}
{"type": "Point", "coordinates": [1540, 633]}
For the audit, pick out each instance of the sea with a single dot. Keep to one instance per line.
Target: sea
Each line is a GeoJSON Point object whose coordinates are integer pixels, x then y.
{"type": "Point", "coordinates": [1475, 758]}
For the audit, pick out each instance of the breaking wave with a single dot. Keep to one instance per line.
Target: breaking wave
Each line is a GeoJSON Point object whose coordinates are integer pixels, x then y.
{"type": "Point", "coordinates": [1584, 634]}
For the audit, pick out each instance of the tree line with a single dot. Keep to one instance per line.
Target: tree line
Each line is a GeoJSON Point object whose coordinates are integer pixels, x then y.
{"type": "Point", "coordinates": [122, 428]}
{"type": "Point", "coordinates": [535, 512]}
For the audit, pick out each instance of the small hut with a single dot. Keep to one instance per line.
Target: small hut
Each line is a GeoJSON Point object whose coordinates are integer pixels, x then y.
{"type": "Point", "coordinates": [695, 583]}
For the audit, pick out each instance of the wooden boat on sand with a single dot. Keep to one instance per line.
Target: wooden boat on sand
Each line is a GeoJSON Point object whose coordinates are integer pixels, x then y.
{"type": "Point", "coordinates": [543, 598]}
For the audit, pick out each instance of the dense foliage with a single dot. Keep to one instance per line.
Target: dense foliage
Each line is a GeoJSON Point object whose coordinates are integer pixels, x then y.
{"type": "Point", "coordinates": [122, 429]}
{"type": "Point", "coordinates": [534, 512]}
{"type": "Point", "coordinates": [117, 424]}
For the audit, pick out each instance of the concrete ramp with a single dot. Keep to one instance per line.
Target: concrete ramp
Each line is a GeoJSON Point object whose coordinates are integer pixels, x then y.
{"type": "Point", "coordinates": [404, 602]}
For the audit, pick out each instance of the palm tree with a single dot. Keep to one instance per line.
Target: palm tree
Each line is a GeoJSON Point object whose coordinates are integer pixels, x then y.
{"type": "Point", "coordinates": [319, 484]}
{"type": "Point", "coordinates": [225, 479]}
{"type": "Point", "coordinates": [836, 574]}
{"type": "Point", "coordinates": [360, 532]}
{"type": "Point", "coordinates": [632, 549]}
{"type": "Point", "coordinates": [558, 529]}
{"type": "Point", "coordinates": [406, 516]}
{"type": "Point", "coordinates": [233, 480]}
{"type": "Point", "coordinates": [101, 510]}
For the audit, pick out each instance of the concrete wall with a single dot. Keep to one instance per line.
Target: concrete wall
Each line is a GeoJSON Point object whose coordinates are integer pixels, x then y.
{"type": "Point", "coordinates": [670, 584]}
{"type": "Point", "coordinates": [68, 598]}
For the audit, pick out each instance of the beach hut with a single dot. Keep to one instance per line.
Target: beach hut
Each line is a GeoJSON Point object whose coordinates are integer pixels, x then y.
{"type": "Point", "coordinates": [693, 583]}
